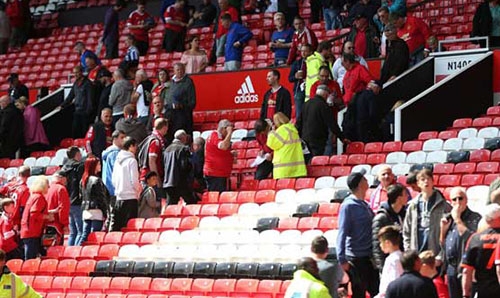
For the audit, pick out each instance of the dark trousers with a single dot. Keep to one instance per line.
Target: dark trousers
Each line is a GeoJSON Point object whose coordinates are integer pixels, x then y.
{"type": "Point", "coordinates": [366, 117]}
{"type": "Point", "coordinates": [216, 183]}
{"type": "Point", "coordinates": [179, 119]}
{"type": "Point", "coordinates": [175, 193]}
{"type": "Point", "coordinates": [80, 124]}
{"type": "Point", "coordinates": [142, 47]}
{"type": "Point", "coordinates": [454, 283]}
{"type": "Point", "coordinates": [31, 248]}
{"type": "Point", "coordinates": [263, 170]}
{"type": "Point", "coordinates": [173, 41]}
{"type": "Point", "coordinates": [123, 211]}
{"type": "Point", "coordinates": [364, 277]}
{"type": "Point", "coordinates": [315, 11]}
{"type": "Point", "coordinates": [317, 149]}
{"type": "Point", "coordinates": [291, 14]}
{"type": "Point", "coordinates": [14, 254]}
{"type": "Point", "coordinates": [111, 48]}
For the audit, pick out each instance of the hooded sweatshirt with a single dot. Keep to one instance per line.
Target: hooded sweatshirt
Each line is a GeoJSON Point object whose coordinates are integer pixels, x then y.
{"type": "Point", "coordinates": [132, 128]}
{"type": "Point", "coordinates": [125, 176]}
{"type": "Point", "coordinates": [120, 96]}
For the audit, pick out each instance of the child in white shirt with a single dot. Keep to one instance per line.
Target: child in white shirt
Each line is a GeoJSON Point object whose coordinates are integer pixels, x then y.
{"type": "Point", "coordinates": [390, 238]}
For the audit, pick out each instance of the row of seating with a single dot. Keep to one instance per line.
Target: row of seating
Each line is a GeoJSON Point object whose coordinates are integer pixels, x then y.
{"type": "Point", "coordinates": [102, 286]}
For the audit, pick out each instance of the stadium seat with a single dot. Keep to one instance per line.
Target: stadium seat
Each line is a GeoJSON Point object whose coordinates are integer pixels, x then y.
{"type": "Point", "coordinates": [152, 224]}
{"type": "Point", "coordinates": [338, 171]}
{"type": "Point", "coordinates": [453, 144]}
{"type": "Point", "coordinates": [228, 197]}
{"type": "Point", "coordinates": [338, 160]}
{"type": "Point", "coordinates": [48, 267]}
{"type": "Point", "coordinates": [161, 269]}
{"type": "Point", "coordinates": [449, 180]}
{"type": "Point", "coordinates": [113, 238]}
{"type": "Point", "coordinates": [427, 135]}
{"type": "Point", "coordinates": [223, 287]}
{"type": "Point", "coordinates": [245, 287]}
{"type": "Point", "coordinates": [249, 185]}
{"type": "Point", "coordinates": [479, 155]}
{"type": "Point", "coordinates": [447, 134]}
{"type": "Point", "coordinates": [392, 147]}
{"type": "Point", "coordinates": [320, 160]}
{"type": "Point", "coordinates": [209, 209]}
{"type": "Point", "coordinates": [375, 158]}
{"type": "Point", "coordinates": [462, 123]}
{"type": "Point", "coordinates": [228, 209]}
{"type": "Point", "coordinates": [308, 223]}
{"type": "Point", "coordinates": [193, 209]}
{"type": "Point", "coordinates": [267, 184]}
{"type": "Point", "coordinates": [493, 111]}
{"type": "Point", "coordinates": [204, 269]}
{"type": "Point", "coordinates": [443, 168]}
{"type": "Point", "coordinates": [246, 270]}
{"type": "Point", "coordinates": [160, 286]}
{"type": "Point", "coordinates": [61, 284]}
{"type": "Point", "coordinates": [170, 223]}
{"type": "Point", "coordinates": [473, 144]}
{"type": "Point", "coordinates": [488, 132]}
{"type": "Point", "coordinates": [245, 197]}
{"type": "Point", "coordinates": [83, 267]}
{"type": "Point", "coordinates": [15, 265]}
{"type": "Point", "coordinates": [264, 196]}
{"type": "Point", "coordinates": [189, 223]}
{"type": "Point", "coordinates": [107, 252]}
{"type": "Point", "coordinates": [467, 133]}
{"type": "Point", "coordinates": [374, 147]}
{"type": "Point", "coordinates": [138, 285]}
{"type": "Point", "coordinates": [465, 168]}
{"type": "Point", "coordinates": [201, 286]}
{"type": "Point", "coordinates": [180, 286]}
{"type": "Point", "coordinates": [42, 283]}
{"type": "Point", "coordinates": [29, 267]}
{"type": "Point", "coordinates": [302, 183]}
{"type": "Point", "coordinates": [471, 180]}
{"type": "Point", "coordinates": [356, 159]}
{"type": "Point", "coordinates": [324, 182]}
{"type": "Point", "coordinates": [182, 269]}
{"type": "Point", "coordinates": [287, 183]}
{"type": "Point", "coordinates": [416, 157]}
{"type": "Point", "coordinates": [410, 146]}
{"type": "Point", "coordinates": [436, 157]}
{"type": "Point", "coordinates": [118, 285]}
{"type": "Point", "coordinates": [288, 223]}
{"type": "Point", "coordinates": [487, 167]}
{"type": "Point", "coordinates": [172, 211]}
{"type": "Point", "coordinates": [433, 145]}
{"type": "Point", "coordinates": [210, 197]}
{"type": "Point", "coordinates": [79, 284]}
{"type": "Point", "coordinates": [355, 148]}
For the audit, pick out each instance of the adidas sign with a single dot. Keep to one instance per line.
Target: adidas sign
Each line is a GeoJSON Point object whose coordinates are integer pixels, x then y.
{"type": "Point", "coordinates": [246, 93]}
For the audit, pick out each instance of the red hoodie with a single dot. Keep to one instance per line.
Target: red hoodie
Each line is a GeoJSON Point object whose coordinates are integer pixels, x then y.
{"type": "Point", "coordinates": [8, 239]}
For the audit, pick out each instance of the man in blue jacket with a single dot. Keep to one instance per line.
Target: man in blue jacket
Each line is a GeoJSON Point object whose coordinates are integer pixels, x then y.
{"type": "Point", "coordinates": [237, 36]}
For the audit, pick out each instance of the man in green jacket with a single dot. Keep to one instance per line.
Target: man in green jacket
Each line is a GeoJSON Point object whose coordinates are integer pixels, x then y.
{"type": "Point", "coordinates": [306, 281]}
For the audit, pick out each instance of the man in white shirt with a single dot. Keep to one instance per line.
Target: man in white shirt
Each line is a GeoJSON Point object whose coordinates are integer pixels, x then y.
{"type": "Point", "coordinates": [142, 95]}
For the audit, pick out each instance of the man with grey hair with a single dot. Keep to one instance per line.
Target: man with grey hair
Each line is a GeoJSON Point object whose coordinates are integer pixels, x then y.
{"type": "Point", "coordinates": [121, 92]}
{"type": "Point", "coordinates": [198, 159]}
{"type": "Point", "coordinates": [479, 257]}
{"type": "Point", "coordinates": [180, 102]}
{"type": "Point", "coordinates": [456, 229]}
{"type": "Point", "coordinates": [142, 95]}
{"type": "Point", "coordinates": [178, 180]}
{"type": "Point", "coordinates": [218, 157]}
{"type": "Point", "coordinates": [281, 39]}
{"type": "Point", "coordinates": [11, 128]}
{"type": "Point", "coordinates": [316, 121]}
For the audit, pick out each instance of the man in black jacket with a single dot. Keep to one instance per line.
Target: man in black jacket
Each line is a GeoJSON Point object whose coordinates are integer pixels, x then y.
{"type": "Point", "coordinates": [316, 121]}
{"type": "Point", "coordinates": [11, 128]}
{"type": "Point", "coordinates": [73, 167]}
{"type": "Point", "coordinates": [178, 170]}
{"type": "Point", "coordinates": [277, 99]}
{"type": "Point", "coordinates": [397, 56]}
{"type": "Point", "coordinates": [390, 213]}
{"type": "Point", "coordinates": [363, 29]}
{"type": "Point", "coordinates": [411, 284]}
{"type": "Point", "coordinates": [98, 136]}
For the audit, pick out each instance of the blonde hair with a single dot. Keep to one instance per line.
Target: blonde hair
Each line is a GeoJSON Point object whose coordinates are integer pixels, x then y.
{"type": "Point", "coordinates": [280, 119]}
{"type": "Point", "coordinates": [428, 258]}
{"type": "Point", "coordinates": [41, 184]}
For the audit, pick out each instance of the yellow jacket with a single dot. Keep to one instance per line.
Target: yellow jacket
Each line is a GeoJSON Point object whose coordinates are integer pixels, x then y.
{"type": "Point", "coordinates": [306, 285]}
{"type": "Point", "coordinates": [12, 286]}
{"type": "Point", "coordinates": [288, 159]}
{"type": "Point", "coordinates": [313, 63]}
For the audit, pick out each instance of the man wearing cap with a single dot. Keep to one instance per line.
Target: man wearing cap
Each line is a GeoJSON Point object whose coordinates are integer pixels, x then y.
{"type": "Point", "coordinates": [58, 200]}
{"type": "Point", "coordinates": [354, 240]}
{"type": "Point", "coordinates": [364, 37]}
{"type": "Point", "coordinates": [397, 55]}
{"type": "Point", "coordinates": [218, 158]}
{"type": "Point", "coordinates": [11, 128]}
{"type": "Point", "coordinates": [16, 88]}
{"type": "Point", "coordinates": [316, 120]}
{"type": "Point", "coordinates": [479, 257]}
{"type": "Point", "coordinates": [277, 99]}
{"type": "Point", "coordinates": [98, 136]}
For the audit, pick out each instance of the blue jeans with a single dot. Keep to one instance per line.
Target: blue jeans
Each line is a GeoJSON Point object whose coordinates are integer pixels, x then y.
{"type": "Point", "coordinates": [299, 99]}
{"type": "Point", "coordinates": [91, 226]}
{"type": "Point", "coordinates": [31, 248]}
{"type": "Point", "coordinates": [332, 18]}
{"type": "Point", "coordinates": [75, 225]}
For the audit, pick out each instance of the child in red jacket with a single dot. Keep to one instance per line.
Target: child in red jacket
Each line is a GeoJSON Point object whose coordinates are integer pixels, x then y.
{"type": "Point", "coordinates": [9, 231]}
{"type": "Point", "coordinates": [428, 269]}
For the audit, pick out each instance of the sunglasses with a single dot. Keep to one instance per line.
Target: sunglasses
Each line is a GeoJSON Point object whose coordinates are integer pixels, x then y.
{"type": "Point", "coordinates": [457, 199]}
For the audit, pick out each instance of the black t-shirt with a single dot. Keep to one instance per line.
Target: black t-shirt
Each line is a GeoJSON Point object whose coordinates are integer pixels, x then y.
{"type": "Point", "coordinates": [480, 255]}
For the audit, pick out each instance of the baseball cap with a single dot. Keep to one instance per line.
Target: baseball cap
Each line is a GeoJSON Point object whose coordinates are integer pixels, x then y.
{"type": "Point", "coordinates": [354, 179]}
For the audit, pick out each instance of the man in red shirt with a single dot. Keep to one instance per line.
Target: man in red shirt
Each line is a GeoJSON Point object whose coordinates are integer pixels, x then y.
{"type": "Point", "coordinates": [218, 157]}
{"type": "Point", "coordinates": [220, 34]}
{"type": "Point", "coordinates": [58, 200]}
{"type": "Point", "coordinates": [364, 37]}
{"type": "Point", "coordinates": [139, 22]}
{"type": "Point", "coordinates": [335, 97]}
{"type": "Point", "coordinates": [277, 99]}
{"type": "Point", "coordinates": [262, 129]}
{"type": "Point", "coordinates": [9, 231]}
{"type": "Point", "coordinates": [156, 144]}
{"type": "Point", "coordinates": [98, 136]}
{"type": "Point", "coordinates": [175, 27]}
{"type": "Point", "coordinates": [414, 31]}
{"type": "Point", "coordinates": [18, 190]}
{"type": "Point", "coordinates": [359, 85]}
{"type": "Point", "coordinates": [301, 36]}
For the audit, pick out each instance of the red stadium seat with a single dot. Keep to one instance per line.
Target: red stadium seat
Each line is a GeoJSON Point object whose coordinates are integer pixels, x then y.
{"type": "Point", "coordinates": [495, 155]}
{"type": "Point", "coordinates": [320, 160]}
{"type": "Point", "coordinates": [487, 167]}
{"type": "Point", "coordinates": [16, 162]}
{"type": "Point", "coordinates": [496, 122]}
{"type": "Point", "coordinates": [223, 287]}
{"type": "Point", "coordinates": [328, 223]}
{"type": "Point", "coordinates": [228, 197]}
{"type": "Point", "coordinates": [227, 114]}
{"type": "Point", "coordinates": [54, 252]}
{"type": "Point", "coordinates": [447, 134]}
{"type": "Point", "coordinates": [318, 171]}
{"type": "Point", "coordinates": [239, 145]}
{"type": "Point", "coordinates": [113, 237]}
{"type": "Point", "coordinates": [130, 238]}
{"type": "Point", "coordinates": [376, 158]}
{"type": "Point", "coordinates": [42, 283]}
{"type": "Point", "coordinates": [228, 209]}
{"type": "Point", "coordinates": [88, 252]}
{"type": "Point", "coordinates": [340, 171]}
{"type": "Point", "coordinates": [480, 155]}
{"type": "Point", "coordinates": [210, 197]}
{"type": "Point", "coordinates": [201, 286]}
{"type": "Point", "coordinates": [66, 267]}
{"type": "Point", "coordinates": [392, 146]}
{"type": "Point", "coordinates": [160, 286]}
{"type": "Point", "coordinates": [410, 146]}
{"type": "Point", "coordinates": [426, 135]}
{"type": "Point", "coordinates": [99, 284]}
{"type": "Point", "coordinates": [189, 223]}
{"type": "Point", "coordinates": [465, 168]}
{"type": "Point", "coordinates": [245, 287]}
{"type": "Point", "coordinates": [246, 197]}
{"type": "Point", "coordinates": [481, 122]}
{"type": "Point", "coordinates": [308, 223]}
{"type": "Point", "coordinates": [61, 284]}
{"type": "Point", "coordinates": [170, 224]}
{"type": "Point", "coordinates": [493, 111]}
{"type": "Point", "coordinates": [449, 180]}
{"type": "Point", "coordinates": [271, 287]}
{"type": "Point", "coordinates": [108, 252]}
{"type": "Point", "coordinates": [462, 123]}
{"type": "Point", "coordinates": [285, 183]}
{"type": "Point", "coordinates": [490, 178]}
{"type": "Point", "coordinates": [374, 147]}
{"type": "Point", "coordinates": [209, 209]}
{"type": "Point", "coordinates": [328, 209]}
{"type": "Point", "coordinates": [443, 168]}
{"type": "Point", "coordinates": [264, 196]}
{"type": "Point", "coordinates": [288, 223]}
{"type": "Point", "coordinates": [118, 285]}
{"type": "Point", "coordinates": [180, 286]}
{"type": "Point", "coordinates": [355, 147]}
{"type": "Point", "coordinates": [149, 238]}
{"type": "Point", "coordinates": [152, 224]}
{"type": "Point", "coordinates": [302, 183]}
{"type": "Point", "coordinates": [193, 209]}
{"type": "Point", "coordinates": [139, 285]}
{"type": "Point", "coordinates": [4, 162]}
{"type": "Point", "coordinates": [80, 284]}
{"type": "Point", "coordinates": [66, 143]}
{"type": "Point", "coordinates": [71, 252]}
{"type": "Point", "coordinates": [267, 184]}
{"type": "Point", "coordinates": [338, 160]}
{"type": "Point", "coordinates": [15, 265]}
{"type": "Point", "coordinates": [472, 180]}
{"type": "Point", "coordinates": [48, 267]}
{"type": "Point", "coordinates": [134, 224]}
{"type": "Point", "coordinates": [95, 238]}
{"type": "Point", "coordinates": [356, 159]}
{"type": "Point", "coordinates": [249, 185]}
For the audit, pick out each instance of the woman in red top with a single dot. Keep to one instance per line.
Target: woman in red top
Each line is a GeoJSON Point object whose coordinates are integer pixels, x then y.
{"type": "Point", "coordinates": [161, 86]}
{"type": "Point", "coordinates": [262, 128]}
{"type": "Point", "coordinates": [9, 230]}
{"type": "Point", "coordinates": [35, 214]}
